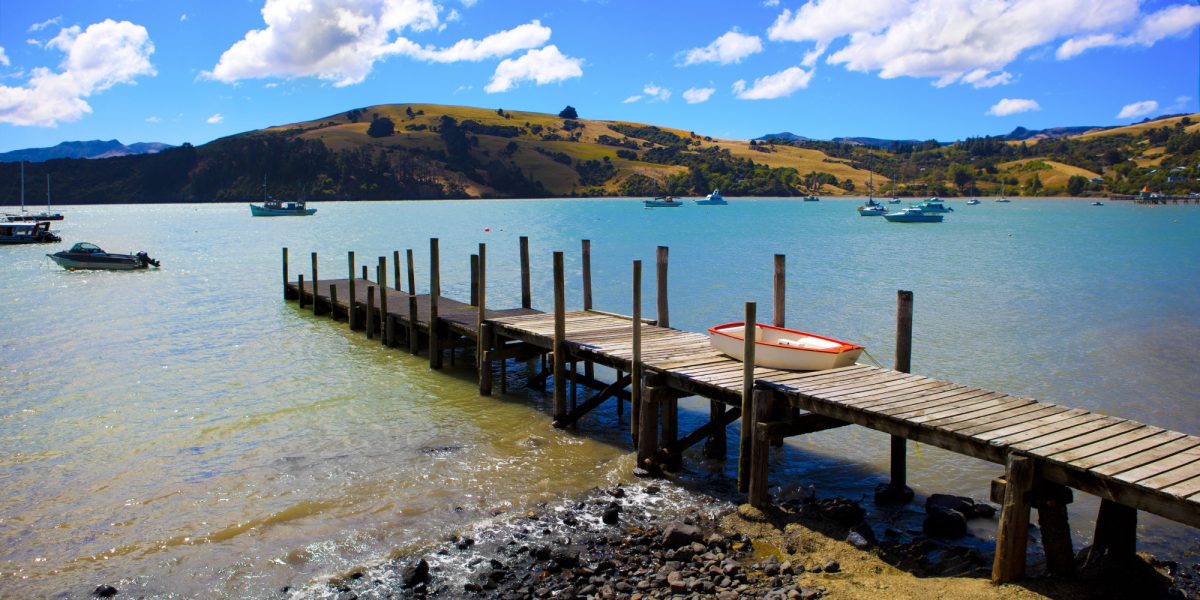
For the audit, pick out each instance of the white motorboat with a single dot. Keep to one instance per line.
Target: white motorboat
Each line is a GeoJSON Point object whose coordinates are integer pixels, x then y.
{"type": "Point", "coordinates": [27, 232]}
{"type": "Point", "coordinates": [85, 255]}
{"type": "Point", "coordinates": [788, 349]}
{"type": "Point", "coordinates": [713, 199]}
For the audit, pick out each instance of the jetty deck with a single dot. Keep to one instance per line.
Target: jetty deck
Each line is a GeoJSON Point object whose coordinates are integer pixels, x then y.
{"type": "Point", "coordinates": [1047, 449]}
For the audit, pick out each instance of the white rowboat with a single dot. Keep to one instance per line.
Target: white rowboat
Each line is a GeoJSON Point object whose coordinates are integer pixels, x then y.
{"type": "Point", "coordinates": [788, 349]}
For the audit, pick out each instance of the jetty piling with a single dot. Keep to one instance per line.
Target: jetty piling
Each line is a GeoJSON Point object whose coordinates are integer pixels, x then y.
{"type": "Point", "coordinates": [1048, 450]}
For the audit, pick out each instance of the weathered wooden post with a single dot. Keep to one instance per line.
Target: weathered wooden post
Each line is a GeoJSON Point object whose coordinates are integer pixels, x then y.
{"type": "Point", "coordinates": [364, 273]}
{"type": "Point", "coordinates": [780, 291]}
{"type": "Point", "coordinates": [560, 337]}
{"type": "Point", "coordinates": [487, 337]}
{"type": "Point", "coordinates": [664, 319]}
{"type": "Point", "coordinates": [315, 308]}
{"type": "Point", "coordinates": [396, 269]}
{"type": "Point", "coordinates": [474, 301]}
{"type": "Point", "coordinates": [300, 290]}
{"type": "Point", "coordinates": [353, 297]}
{"type": "Point", "coordinates": [647, 442]}
{"type": "Point", "coordinates": [1116, 532]}
{"type": "Point", "coordinates": [635, 366]}
{"type": "Point", "coordinates": [413, 335]}
{"type": "Point", "coordinates": [1013, 530]}
{"type": "Point", "coordinates": [526, 296]}
{"type": "Point", "coordinates": [333, 301]}
{"type": "Point", "coordinates": [435, 292]}
{"type": "Point", "coordinates": [481, 312]}
{"type": "Point", "coordinates": [285, 273]}
{"type": "Point", "coordinates": [371, 319]}
{"type": "Point", "coordinates": [749, 331]}
{"type": "Point", "coordinates": [587, 274]}
{"type": "Point", "coordinates": [761, 449]}
{"type": "Point", "coordinates": [897, 490]}
{"type": "Point", "coordinates": [1051, 500]}
{"type": "Point", "coordinates": [381, 275]}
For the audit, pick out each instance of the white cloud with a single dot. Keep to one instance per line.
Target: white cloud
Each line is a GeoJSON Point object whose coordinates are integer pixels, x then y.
{"type": "Point", "coordinates": [183, 17]}
{"type": "Point", "coordinates": [213, 120]}
{"type": "Point", "coordinates": [698, 95]}
{"type": "Point", "coordinates": [154, 119]}
{"type": "Point", "coordinates": [631, 99]}
{"type": "Point", "coordinates": [780, 85]}
{"type": "Point", "coordinates": [1173, 21]}
{"type": "Point", "coordinates": [949, 40]}
{"type": "Point", "coordinates": [3, 57]}
{"type": "Point", "coordinates": [543, 66]}
{"type": "Point", "coordinates": [453, 15]}
{"type": "Point", "coordinates": [770, 3]}
{"type": "Point", "coordinates": [271, 85]}
{"type": "Point", "coordinates": [45, 24]}
{"type": "Point", "coordinates": [333, 40]}
{"type": "Point", "coordinates": [469, 3]}
{"type": "Point", "coordinates": [1012, 106]}
{"type": "Point", "coordinates": [504, 43]}
{"type": "Point", "coordinates": [656, 93]}
{"type": "Point", "coordinates": [731, 47]}
{"type": "Point", "coordinates": [105, 54]}
{"type": "Point", "coordinates": [1138, 109]}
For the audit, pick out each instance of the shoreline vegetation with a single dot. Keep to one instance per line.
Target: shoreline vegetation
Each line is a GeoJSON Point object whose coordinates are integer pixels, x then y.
{"type": "Point", "coordinates": [426, 151]}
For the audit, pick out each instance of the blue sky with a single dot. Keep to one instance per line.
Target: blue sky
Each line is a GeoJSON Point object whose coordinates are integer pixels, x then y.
{"type": "Point", "coordinates": [191, 71]}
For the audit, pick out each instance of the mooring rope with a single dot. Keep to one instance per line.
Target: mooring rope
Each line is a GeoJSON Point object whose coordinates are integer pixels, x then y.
{"type": "Point", "coordinates": [877, 363]}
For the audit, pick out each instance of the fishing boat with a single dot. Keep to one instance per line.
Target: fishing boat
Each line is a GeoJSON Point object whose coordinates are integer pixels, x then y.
{"type": "Point", "coordinates": [28, 216]}
{"type": "Point", "coordinates": [811, 198]}
{"type": "Point", "coordinates": [788, 349]}
{"type": "Point", "coordinates": [86, 255]}
{"type": "Point", "coordinates": [662, 202]}
{"type": "Point", "coordinates": [713, 199]}
{"type": "Point", "coordinates": [27, 232]}
{"type": "Point", "coordinates": [913, 214]}
{"type": "Point", "coordinates": [273, 207]}
{"type": "Point", "coordinates": [972, 201]}
{"type": "Point", "coordinates": [933, 205]}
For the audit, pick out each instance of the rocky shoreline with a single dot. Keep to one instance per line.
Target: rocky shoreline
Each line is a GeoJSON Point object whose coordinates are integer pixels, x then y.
{"type": "Point", "coordinates": [653, 540]}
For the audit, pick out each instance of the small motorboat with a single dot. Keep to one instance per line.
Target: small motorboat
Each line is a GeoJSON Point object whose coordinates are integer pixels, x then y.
{"type": "Point", "coordinates": [788, 349]}
{"type": "Point", "coordinates": [25, 232]}
{"type": "Point", "coordinates": [811, 198]}
{"type": "Point", "coordinates": [277, 208]}
{"type": "Point", "coordinates": [872, 209]}
{"type": "Point", "coordinates": [933, 205]}
{"type": "Point", "coordinates": [1003, 200]}
{"type": "Point", "coordinates": [86, 255]}
{"type": "Point", "coordinates": [972, 201]}
{"type": "Point", "coordinates": [662, 202]}
{"type": "Point", "coordinates": [913, 214]}
{"type": "Point", "coordinates": [1097, 203]}
{"type": "Point", "coordinates": [713, 199]}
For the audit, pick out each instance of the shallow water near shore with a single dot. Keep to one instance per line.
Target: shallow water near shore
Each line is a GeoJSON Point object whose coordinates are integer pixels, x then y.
{"type": "Point", "coordinates": [185, 432]}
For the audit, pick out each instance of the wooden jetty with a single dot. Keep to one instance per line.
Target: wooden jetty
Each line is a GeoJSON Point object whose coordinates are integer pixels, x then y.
{"type": "Point", "coordinates": [1048, 450]}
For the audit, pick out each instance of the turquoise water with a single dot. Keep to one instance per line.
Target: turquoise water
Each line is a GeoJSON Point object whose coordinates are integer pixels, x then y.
{"type": "Point", "coordinates": [185, 431]}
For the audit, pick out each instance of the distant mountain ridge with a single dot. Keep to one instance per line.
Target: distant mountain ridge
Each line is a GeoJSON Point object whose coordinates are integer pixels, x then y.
{"type": "Point", "coordinates": [1052, 133]}
{"type": "Point", "coordinates": [82, 149]}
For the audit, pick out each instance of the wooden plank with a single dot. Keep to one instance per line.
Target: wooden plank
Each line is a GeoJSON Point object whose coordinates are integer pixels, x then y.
{"type": "Point", "coordinates": [1115, 442]}
{"type": "Point", "coordinates": [1184, 488]}
{"type": "Point", "coordinates": [1148, 456]}
{"type": "Point", "coordinates": [929, 391]}
{"type": "Point", "coordinates": [1020, 420]}
{"type": "Point", "coordinates": [1116, 428]}
{"type": "Point", "coordinates": [919, 407]}
{"type": "Point", "coordinates": [1127, 451]}
{"type": "Point", "coordinates": [994, 408]}
{"type": "Point", "coordinates": [1019, 412]}
{"type": "Point", "coordinates": [1168, 479]}
{"type": "Point", "coordinates": [985, 433]}
{"type": "Point", "coordinates": [1049, 429]}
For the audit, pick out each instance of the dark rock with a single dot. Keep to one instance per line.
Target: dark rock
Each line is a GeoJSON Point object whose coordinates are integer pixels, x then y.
{"type": "Point", "coordinates": [347, 596]}
{"type": "Point", "coordinates": [652, 489]}
{"type": "Point", "coordinates": [679, 534]}
{"type": "Point", "coordinates": [886, 493]}
{"type": "Point", "coordinates": [611, 515]}
{"type": "Point", "coordinates": [565, 558]}
{"type": "Point", "coordinates": [841, 511]}
{"type": "Point", "coordinates": [944, 522]}
{"type": "Point", "coordinates": [984, 510]}
{"type": "Point", "coordinates": [858, 541]}
{"type": "Point", "coordinates": [570, 521]}
{"type": "Point", "coordinates": [641, 473]}
{"type": "Point", "coordinates": [862, 536]}
{"type": "Point", "coordinates": [415, 574]}
{"type": "Point", "coordinates": [832, 567]}
{"type": "Point", "coordinates": [104, 591]}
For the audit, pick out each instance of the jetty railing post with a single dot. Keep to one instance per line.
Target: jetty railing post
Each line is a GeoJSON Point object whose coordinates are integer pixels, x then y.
{"type": "Point", "coordinates": [364, 273]}
{"type": "Point", "coordinates": [749, 331]}
{"type": "Point", "coordinates": [760, 452]}
{"type": "Point", "coordinates": [526, 296]}
{"type": "Point", "coordinates": [487, 338]}
{"type": "Point", "coordinates": [716, 447]}
{"type": "Point", "coordinates": [1115, 534]}
{"type": "Point", "coordinates": [333, 301]}
{"type": "Point", "coordinates": [635, 366]}
{"type": "Point", "coordinates": [474, 280]}
{"type": "Point", "coordinates": [385, 329]}
{"type": "Point", "coordinates": [396, 269]}
{"type": "Point", "coordinates": [285, 273]}
{"type": "Point", "coordinates": [780, 291]}
{"type": "Point", "coordinates": [664, 319]}
{"type": "Point", "coordinates": [481, 314]}
{"type": "Point", "coordinates": [560, 336]}
{"type": "Point", "coordinates": [413, 335]}
{"type": "Point", "coordinates": [371, 320]}
{"type": "Point", "coordinates": [896, 490]}
{"type": "Point", "coordinates": [314, 284]}
{"type": "Point", "coordinates": [1012, 533]}
{"type": "Point", "coordinates": [350, 302]}
{"type": "Point", "coordinates": [435, 291]}
{"type": "Point", "coordinates": [300, 290]}
{"type": "Point", "coordinates": [648, 434]}
{"type": "Point", "coordinates": [589, 369]}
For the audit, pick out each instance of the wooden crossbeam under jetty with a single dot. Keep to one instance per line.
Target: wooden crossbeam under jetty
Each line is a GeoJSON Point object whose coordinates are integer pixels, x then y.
{"type": "Point", "coordinates": [1047, 449]}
